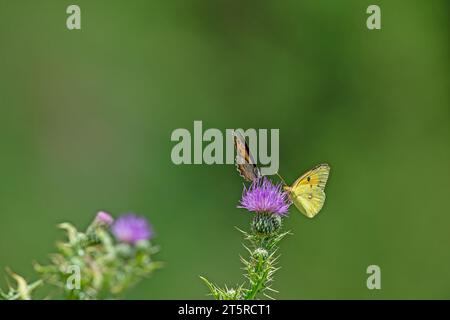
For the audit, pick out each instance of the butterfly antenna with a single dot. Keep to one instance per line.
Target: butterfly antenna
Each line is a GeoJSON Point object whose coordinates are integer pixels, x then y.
{"type": "Point", "coordinates": [281, 179]}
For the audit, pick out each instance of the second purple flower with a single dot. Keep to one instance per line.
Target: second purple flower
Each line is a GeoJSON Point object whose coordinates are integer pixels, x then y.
{"type": "Point", "coordinates": [131, 228]}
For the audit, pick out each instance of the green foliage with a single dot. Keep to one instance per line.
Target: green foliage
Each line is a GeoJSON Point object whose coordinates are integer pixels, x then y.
{"type": "Point", "coordinates": [22, 291]}
{"type": "Point", "coordinates": [90, 265]}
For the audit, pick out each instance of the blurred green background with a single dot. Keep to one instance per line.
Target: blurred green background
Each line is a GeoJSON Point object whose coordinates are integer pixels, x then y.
{"type": "Point", "coordinates": [86, 118]}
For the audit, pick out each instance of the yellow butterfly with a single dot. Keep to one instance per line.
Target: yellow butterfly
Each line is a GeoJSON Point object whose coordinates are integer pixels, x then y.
{"type": "Point", "coordinates": [307, 192]}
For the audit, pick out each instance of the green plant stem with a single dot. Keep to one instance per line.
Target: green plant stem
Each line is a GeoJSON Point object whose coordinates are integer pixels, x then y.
{"type": "Point", "coordinates": [260, 267]}
{"type": "Point", "coordinates": [257, 288]}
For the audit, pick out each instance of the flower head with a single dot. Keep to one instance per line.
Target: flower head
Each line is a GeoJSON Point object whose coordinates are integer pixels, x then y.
{"type": "Point", "coordinates": [103, 217]}
{"type": "Point", "coordinates": [130, 228]}
{"type": "Point", "coordinates": [265, 197]}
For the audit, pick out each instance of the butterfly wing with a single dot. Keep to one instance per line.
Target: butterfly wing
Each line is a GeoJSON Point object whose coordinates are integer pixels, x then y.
{"type": "Point", "coordinates": [317, 176]}
{"type": "Point", "coordinates": [307, 192]}
{"type": "Point", "coordinates": [309, 201]}
{"type": "Point", "coordinates": [244, 160]}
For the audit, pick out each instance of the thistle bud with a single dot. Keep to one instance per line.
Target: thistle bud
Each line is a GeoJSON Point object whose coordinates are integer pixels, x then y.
{"type": "Point", "coordinates": [260, 254]}
{"type": "Point", "coordinates": [266, 223]}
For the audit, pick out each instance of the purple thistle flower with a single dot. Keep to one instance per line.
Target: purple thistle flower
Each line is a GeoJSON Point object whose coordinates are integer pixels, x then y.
{"type": "Point", "coordinates": [264, 196]}
{"type": "Point", "coordinates": [104, 218]}
{"type": "Point", "coordinates": [130, 228]}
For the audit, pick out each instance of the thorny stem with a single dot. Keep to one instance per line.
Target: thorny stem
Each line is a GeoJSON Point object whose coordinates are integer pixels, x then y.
{"type": "Point", "coordinates": [256, 288]}
{"type": "Point", "coordinates": [260, 266]}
